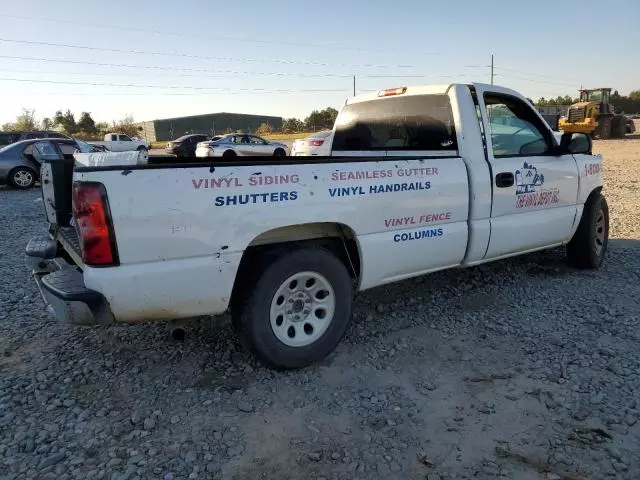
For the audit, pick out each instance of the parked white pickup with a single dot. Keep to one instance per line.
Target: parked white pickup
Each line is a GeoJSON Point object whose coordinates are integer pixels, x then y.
{"type": "Point", "coordinates": [119, 142]}
{"type": "Point", "coordinates": [419, 179]}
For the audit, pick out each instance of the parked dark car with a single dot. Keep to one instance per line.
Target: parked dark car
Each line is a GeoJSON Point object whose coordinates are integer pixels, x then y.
{"type": "Point", "coordinates": [185, 146]}
{"type": "Point", "coordinates": [7, 138]}
{"type": "Point", "coordinates": [20, 161]}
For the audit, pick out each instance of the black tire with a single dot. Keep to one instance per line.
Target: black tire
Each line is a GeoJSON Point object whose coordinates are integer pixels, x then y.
{"type": "Point", "coordinates": [142, 148]}
{"type": "Point", "coordinates": [229, 154]}
{"type": "Point", "coordinates": [22, 178]}
{"type": "Point", "coordinates": [619, 127]}
{"type": "Point", "coordinates": [588, 246]}
{"type": "Point", "coordinates": [279, 152]}
{"type": "Point", "coordinates": [252, 306]}
{"type": "Point", "coordinates": [605, 127]}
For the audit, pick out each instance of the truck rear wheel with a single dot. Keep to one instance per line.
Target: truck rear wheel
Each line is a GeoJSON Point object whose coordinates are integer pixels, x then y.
{"type": "Point", "coordinates": [297, 309]}
{"type": "Point", "coordinates": [588, 246]}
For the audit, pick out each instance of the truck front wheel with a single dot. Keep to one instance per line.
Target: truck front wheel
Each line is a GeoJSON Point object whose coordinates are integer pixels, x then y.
{"type": "Point", "coordinates": [588, 246]}
{"type": "Point", "coordinates": [297, 309]}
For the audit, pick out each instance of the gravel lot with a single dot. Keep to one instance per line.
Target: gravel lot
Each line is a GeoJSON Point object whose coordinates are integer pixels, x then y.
{"type": "Point", "coordinates": [438, 377]}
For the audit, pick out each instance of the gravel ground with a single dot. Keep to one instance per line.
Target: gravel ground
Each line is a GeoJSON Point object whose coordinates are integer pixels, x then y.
{"type": "Point", "coordinates": [450, 376]}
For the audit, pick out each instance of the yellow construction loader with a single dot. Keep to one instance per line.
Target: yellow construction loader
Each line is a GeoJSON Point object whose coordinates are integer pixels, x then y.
{"type": "Point", "coordinates": [595, 116]}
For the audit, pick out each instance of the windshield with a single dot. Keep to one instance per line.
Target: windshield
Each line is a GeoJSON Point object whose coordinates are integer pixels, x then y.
{"type": "Point", "coordinates": [8, 147]}
{"type": "Point", "coordinates": [323, 134]}
{"type": "Point", "coordinates": [84, 146]}
{"type": "Point", "coordinates": [592, 96]}
{"type": "Point", "coordinates": [183, 138]}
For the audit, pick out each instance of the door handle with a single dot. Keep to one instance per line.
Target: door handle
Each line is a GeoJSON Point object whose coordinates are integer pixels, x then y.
{"type": "Point", "coordinates": [505, 179]}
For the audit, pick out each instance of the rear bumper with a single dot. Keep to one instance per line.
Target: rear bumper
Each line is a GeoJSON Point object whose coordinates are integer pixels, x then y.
{"type": "Point", "coordinates": [175, 151]}
{"type": "Point", "coordinates": [62, 286]}
{"type": "Point", "coordinates": [208, 152]}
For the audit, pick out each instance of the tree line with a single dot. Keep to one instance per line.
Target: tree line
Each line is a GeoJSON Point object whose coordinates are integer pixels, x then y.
{"type": "Point", "coordinates": [627, 103]}
{"type": "Point", "coordinates": [317, 120]}
{"type": "Point", "coordinates": [85, 127]}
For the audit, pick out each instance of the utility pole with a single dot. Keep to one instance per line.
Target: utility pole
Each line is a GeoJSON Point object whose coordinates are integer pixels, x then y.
{"type": "Point", "coordinates": [354, 85]}
{"type": "Point", "coordinates": [492, 69]}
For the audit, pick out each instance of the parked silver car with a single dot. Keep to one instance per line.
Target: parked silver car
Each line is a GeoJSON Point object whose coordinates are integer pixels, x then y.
{"type": "Point", "coordinates": [20, 161]}
{"type": "Point", "coordinates": [318, 143]}
{"type": "Point", "coordinates": [241, 144]}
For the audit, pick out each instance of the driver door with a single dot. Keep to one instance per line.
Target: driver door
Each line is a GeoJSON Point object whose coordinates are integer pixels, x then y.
{"type": "Point", "coordinates": [259, 146]}
{"type": "Point", "coordinates": [534, 189]}
{"type": "Point", "coordinates": [123, 144]}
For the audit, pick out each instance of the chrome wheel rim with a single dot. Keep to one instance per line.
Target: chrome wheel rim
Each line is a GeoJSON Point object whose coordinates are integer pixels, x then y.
{"type": "Point", "coordinates": [302, 309]}
{"type": "Point", "coordinates": [599, 236]}
{"type": "Point", "coordinates": [23, 178]}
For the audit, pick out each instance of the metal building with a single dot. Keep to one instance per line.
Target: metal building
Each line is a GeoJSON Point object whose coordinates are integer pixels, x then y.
{"type": "Point", "coordinates": [210, 124]}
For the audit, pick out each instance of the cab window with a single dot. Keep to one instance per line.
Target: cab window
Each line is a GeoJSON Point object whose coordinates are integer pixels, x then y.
{"type": "Point", "coordinates": [515, 128]}
{"type": "Point", "coordinates": [400, 123]}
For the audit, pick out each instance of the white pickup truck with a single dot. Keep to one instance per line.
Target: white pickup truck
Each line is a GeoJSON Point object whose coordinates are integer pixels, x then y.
{"type": "Point", "coordinates": [419, 179]}
{"type": "Point", "coordinates": [119, 142]}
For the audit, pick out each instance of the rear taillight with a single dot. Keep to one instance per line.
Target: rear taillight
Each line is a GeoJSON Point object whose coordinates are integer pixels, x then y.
{"type": "Point", "coordinates": [316, 143]}
{"type": "Point", "coordinates": [93, 218]}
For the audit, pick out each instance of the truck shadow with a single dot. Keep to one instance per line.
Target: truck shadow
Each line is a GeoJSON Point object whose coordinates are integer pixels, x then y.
{"type": "Point", "coordinates": [485, 289]}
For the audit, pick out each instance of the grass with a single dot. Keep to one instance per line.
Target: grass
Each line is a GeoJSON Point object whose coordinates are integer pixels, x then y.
{"type": "Point", "coordinates": [287, 136]}
{"type": "Point", "coordinates": [274, 136]}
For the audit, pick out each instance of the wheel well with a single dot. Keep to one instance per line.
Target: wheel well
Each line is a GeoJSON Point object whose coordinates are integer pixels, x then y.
{"type": "Point", "coordinates": [594, 192]}
{"type": "Point", "coordinates": [229, 152]}
{"type": "Point", "coordinates": [336, 237]}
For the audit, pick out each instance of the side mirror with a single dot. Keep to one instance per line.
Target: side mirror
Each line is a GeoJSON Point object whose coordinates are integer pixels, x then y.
{"type": "Point", "coordinates": [576, 143]}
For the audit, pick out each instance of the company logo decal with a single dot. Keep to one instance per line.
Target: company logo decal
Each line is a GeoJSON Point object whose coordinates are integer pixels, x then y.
{"type": "Point", "coordinates": [527, 179]}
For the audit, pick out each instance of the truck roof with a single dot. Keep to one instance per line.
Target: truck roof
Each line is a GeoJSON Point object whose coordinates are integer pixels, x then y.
{"type": "Point", "coordinates": [423, 90]}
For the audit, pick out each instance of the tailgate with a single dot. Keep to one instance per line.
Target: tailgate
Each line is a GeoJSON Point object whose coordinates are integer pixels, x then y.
{"type": "Point", "coordinates": [56, 178]}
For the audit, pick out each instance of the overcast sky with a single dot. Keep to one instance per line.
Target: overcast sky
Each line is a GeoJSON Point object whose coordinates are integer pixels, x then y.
{"type": "Point", "coordinates": [287, 58]}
